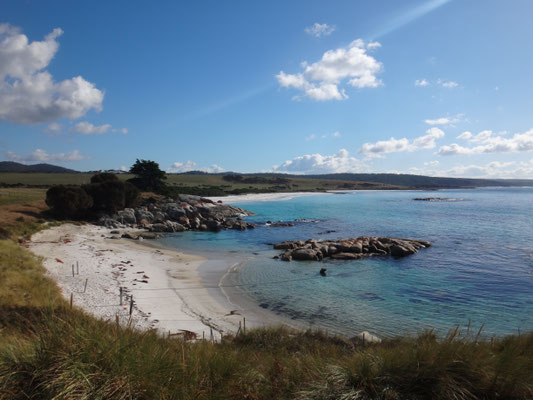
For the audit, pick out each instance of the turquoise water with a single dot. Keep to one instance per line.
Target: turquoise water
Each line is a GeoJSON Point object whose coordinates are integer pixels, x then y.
{"type": "Point", "coordinates": [480, 267]}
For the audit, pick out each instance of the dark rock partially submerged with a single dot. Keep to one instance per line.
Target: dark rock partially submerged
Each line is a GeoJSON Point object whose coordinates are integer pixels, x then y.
{"type": "Point", "coordinates": [349, 249]}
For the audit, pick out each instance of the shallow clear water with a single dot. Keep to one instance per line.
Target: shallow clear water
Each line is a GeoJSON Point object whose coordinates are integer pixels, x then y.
{"type": "Point", "coordinates": [480, 266]}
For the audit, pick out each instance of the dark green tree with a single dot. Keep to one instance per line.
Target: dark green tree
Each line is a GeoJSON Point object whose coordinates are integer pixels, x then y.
{"type": "Point", "coordinates": [68, 201]}
{"type": "Point", "coordinates": [148, 176]}
{"type": "Point", "coordinates": [110, 194]}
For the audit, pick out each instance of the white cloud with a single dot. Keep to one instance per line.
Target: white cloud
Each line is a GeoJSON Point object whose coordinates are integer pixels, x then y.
{"type": "Point", "coordinates": [336, 134]}
{"type": "Point", "coordinates": [54, 127]}
{"type": "Point", "coordinates": [319, 164]}
{"type": "Point", "coordinates": [187, 166]}
{"type": "Point", "coordinates": [432, 163]}
{"type": "Point", "coordinates": [321, 80]}
{"type": "Point", "coordinates": [86, 128]}
{"type": "Point", "coordinates": [310, 137]}
{"type": "Point", "coordinates": [28, 93]}
{"type": "Point", "coordinates": [319, 30]}
{"type": "Point", "coordinates": [398, 145]}
{"type": "Point", "coordinates": [40, 155]}
{"type": "Point", "coordinates": [123, 168]}
{"type": "Point", "coordinates": [421, 82]}
{"type": "Point", "coordinates": [466, 135]}
{"type": "Point", "coordinates": [443, 120]}
{"type": "Point", "coordinates": [490, 143]}
{"type": "Point", "coordinates": [447, 84]}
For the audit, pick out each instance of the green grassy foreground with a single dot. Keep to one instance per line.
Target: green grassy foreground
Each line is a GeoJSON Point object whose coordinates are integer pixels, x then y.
{"type": "Point", "coordinates": [50, 351]}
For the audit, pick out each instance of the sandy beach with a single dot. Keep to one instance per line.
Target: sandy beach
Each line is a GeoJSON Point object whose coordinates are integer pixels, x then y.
{"type": "Point", "coordinates": [255, 197]}
{"type": "Point", "coordinates": [168, 292]}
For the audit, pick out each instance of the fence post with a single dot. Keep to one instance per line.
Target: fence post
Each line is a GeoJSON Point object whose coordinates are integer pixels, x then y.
{"type": "Point", "coordinates": [85, 286]}
{"type": "Point", "coordinates": [72, 270]}
{"type": "Point", "coordinates": [131, 305]}
{"type": "Point", "coordinates": [71, 299]}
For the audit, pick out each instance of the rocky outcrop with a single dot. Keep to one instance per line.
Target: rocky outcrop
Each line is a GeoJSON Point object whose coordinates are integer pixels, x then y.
{"type": "Point", "coordinates": [348, 249]}
{"type": "Point", "coordinates": [184, 213]}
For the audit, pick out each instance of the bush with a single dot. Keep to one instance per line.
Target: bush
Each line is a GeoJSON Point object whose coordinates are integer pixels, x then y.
{"type": "Point", "coordinates": [104, 177]}
{"type": "Point", "coordinates": [107, 196]}
{"type": "Point", "coordinates": [68, 201]}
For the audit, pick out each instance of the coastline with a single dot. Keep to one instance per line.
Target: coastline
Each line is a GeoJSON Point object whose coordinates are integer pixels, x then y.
{"type": "Point", "coordinates": [257, 197]}
{"type": "Point", "coordinates": [173, 291]}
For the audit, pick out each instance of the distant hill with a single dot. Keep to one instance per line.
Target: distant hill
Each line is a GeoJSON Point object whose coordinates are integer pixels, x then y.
{"type": "Point", "coordinates": [10, 166]}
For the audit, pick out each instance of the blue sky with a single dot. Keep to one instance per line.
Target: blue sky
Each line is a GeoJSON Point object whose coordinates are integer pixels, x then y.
{"type": "Point", "coordinates": [435, 87]}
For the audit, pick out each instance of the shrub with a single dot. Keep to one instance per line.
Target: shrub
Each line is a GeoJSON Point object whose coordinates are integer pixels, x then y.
{"type": "Point", "coordinates": [104, 177]}
{"type": "Point", "coordinates": [68, 201]}
{"type": "Point", "coordinates": [107, 196]}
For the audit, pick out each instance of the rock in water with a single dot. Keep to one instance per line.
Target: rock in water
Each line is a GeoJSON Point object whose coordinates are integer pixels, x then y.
{"type": "Point", "coordinates": [349, 249]}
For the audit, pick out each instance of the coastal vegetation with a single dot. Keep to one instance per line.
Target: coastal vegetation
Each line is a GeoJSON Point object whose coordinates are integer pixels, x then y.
{"type": "Point", "coordinates": [51, 350]}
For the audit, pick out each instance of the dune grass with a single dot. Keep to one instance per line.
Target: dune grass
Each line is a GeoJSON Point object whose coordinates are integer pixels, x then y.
{"type": "Point", "coordinates": [50, 351]}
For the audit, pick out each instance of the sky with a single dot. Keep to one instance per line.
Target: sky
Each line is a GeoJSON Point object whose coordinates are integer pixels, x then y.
{"type": "Point", "coordinates": [429, 87]}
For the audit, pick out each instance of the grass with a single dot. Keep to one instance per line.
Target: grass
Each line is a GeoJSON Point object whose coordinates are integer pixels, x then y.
{"type": "Point", "coordinates": [203, 184]}
{"type": "Point", "coordinates": [50, 351]}
{"type": "Point", "coordinates": [20, 196]}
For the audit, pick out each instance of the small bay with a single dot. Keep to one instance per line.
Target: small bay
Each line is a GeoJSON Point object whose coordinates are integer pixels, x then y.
{"type": "Point", "coordinates": [480, 267]}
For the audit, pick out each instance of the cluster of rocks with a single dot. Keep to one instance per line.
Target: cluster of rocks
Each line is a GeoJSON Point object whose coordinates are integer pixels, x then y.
{"type": "Point", "coordinates": [435, 199]}
{"type": "Point", "coordinates": [348, 249]}
{"type": "Point", "coordinates": [184, 213]}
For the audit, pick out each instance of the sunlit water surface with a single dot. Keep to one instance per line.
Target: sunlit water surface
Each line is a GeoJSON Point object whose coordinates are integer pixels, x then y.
{"type": "Point", "coordinates": [480, 267]}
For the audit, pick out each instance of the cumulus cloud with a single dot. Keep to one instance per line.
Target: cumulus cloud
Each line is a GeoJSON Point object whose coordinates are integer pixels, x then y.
{"type": "Point", "coordinates": [319, 30]}
{"type": "Point", "coordinates": [28, 93]}
{"type": "Point", "coordinates": [434, 163]}
{"type": "Point", "coordinates": [187, 166]}
{"type": "Point", "coordinates": [447, 84]}
{"type": "Point", "coordinates": [487, 142]}
{"type": "Point", "coordinates": [54, 127]}
{"type": "Point", "coordinates": [321, 80]}
{"type": "Point", "coordinates": [319, 164]}
{"type": "Point", "coordinates": [421, 82]}
{"type": "Point", "coordinates": [40, 155]}
{"type": "Point", "coordinates": [466, 135]}
{"type": "Point", "coordinates": [86, 128]}
{"type": "Point", "coordinates": [443, 120]}
{"type": "Point", "coordinates": [398, 145]}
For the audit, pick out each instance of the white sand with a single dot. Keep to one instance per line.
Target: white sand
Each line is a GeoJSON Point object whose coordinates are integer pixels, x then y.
{"type": "Point", "coordinates": [167, 290]}
{"type": "Point", "coordinates": [253, 197]}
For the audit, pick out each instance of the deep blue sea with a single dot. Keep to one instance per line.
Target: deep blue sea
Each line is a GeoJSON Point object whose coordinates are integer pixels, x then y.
{"type": "Point", "coordinates": [480, 267]}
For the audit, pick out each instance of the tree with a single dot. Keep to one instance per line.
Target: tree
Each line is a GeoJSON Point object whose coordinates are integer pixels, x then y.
{"type": "Point", "coordinates": [109, 194]}
{"type": "Point", "coordinates": [148, 176]}
{"type": "Point", "coordinates": [68, 202]}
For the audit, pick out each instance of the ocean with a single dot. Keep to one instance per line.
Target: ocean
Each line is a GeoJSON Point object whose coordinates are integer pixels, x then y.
{"type": "Point", "coordinates": [479, 270]}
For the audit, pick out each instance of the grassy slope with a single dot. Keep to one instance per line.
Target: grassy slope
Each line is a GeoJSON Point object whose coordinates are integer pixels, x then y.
{"type": "Point", "coordinates": [49, 351]}
{"type": "Point", "coordinates": [205, 182]}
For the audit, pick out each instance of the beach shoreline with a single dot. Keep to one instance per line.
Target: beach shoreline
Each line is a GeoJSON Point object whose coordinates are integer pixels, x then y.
{"type": "Point", "coordinates": [173, 291]}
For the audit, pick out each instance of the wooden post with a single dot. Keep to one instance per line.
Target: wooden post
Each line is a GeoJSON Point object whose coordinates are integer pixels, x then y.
{"type": "Point", "coordinates": [71, 299]}
{"type": "Point", "coordinates": [203, 335]}
{"type": "Point", "coordinates": [244, 325]}
{"type": "Point", "coordinates": [121, 295]}
{"type": "Point", "coordinates": [117, 319]}
{"type": "Point", "coordinates": [240, 327]}
{"type": "Point", "coordinates": [72, 269]}
{"type": "Point", "coordinates": [85, 286]}
{"type": "Point", "coordinates": [212, 338]}
{"type": "Point", "coordinates": [77, 268]}
{"type": "Point", "coordinates": [131, 304]}
{"type": "Point", "coordinates": [363, 339]}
